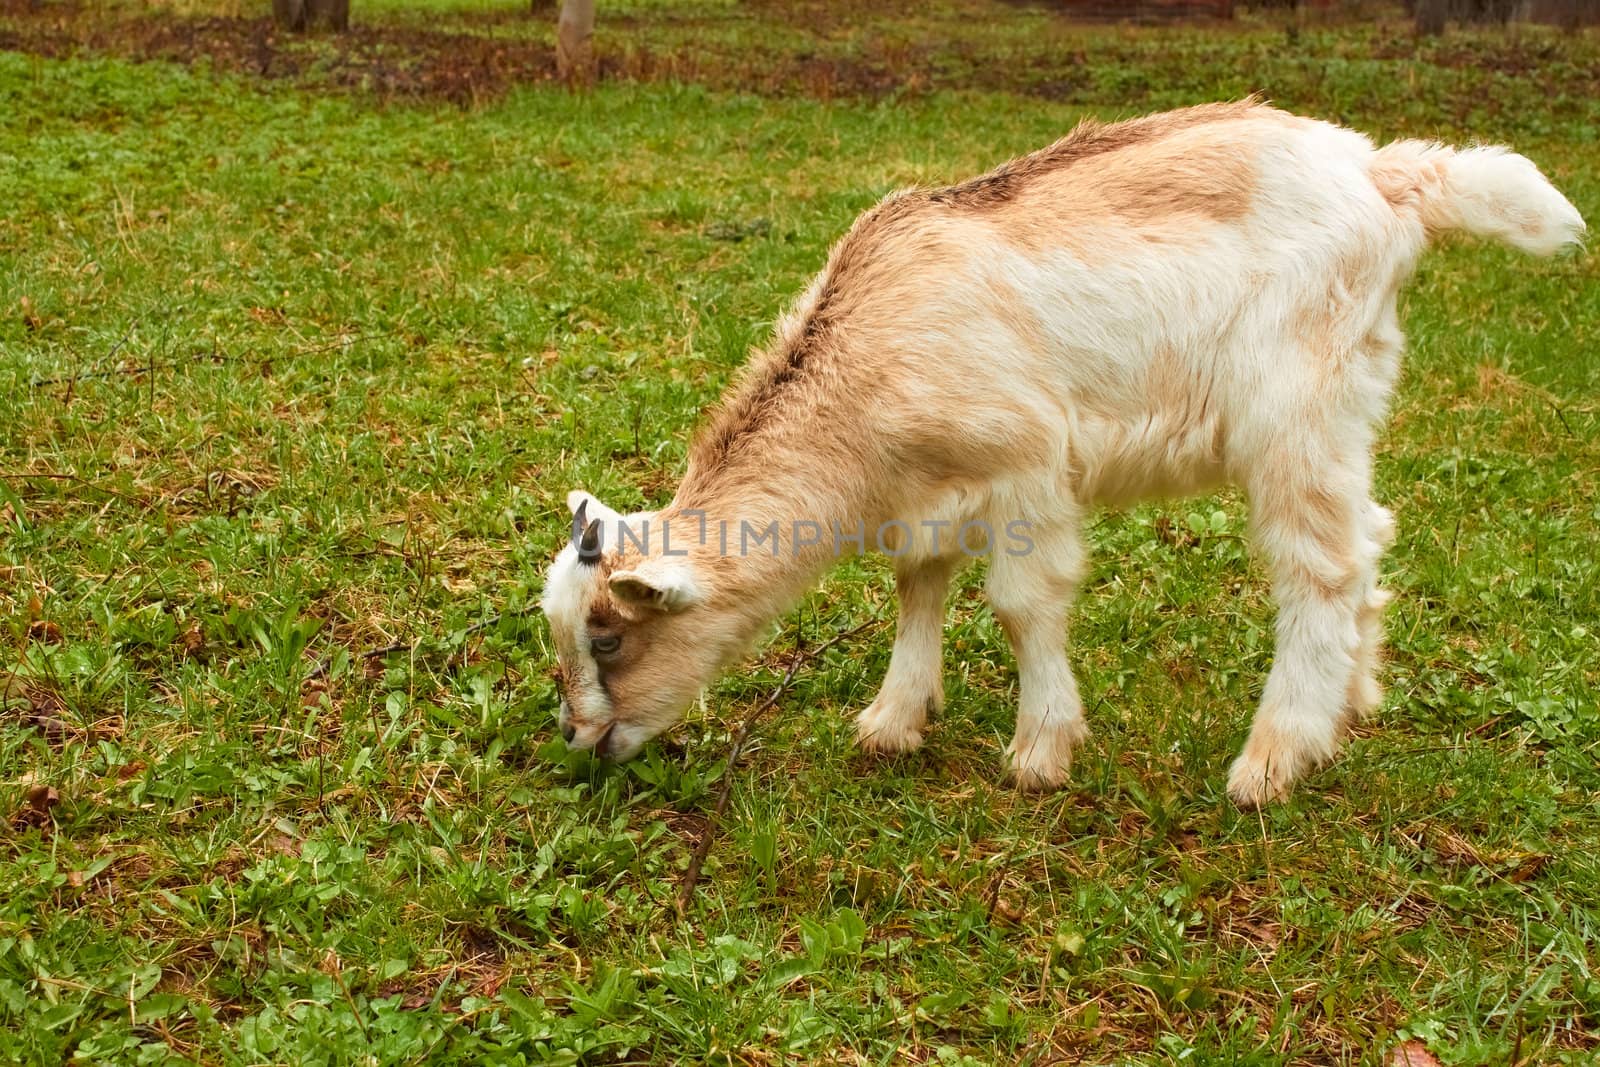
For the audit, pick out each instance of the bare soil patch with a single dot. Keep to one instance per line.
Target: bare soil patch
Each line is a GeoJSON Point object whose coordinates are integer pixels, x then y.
{"type": "Point", "coordinates": [398, 61]}
{"type": "Point", "coordinates": [817, 48]}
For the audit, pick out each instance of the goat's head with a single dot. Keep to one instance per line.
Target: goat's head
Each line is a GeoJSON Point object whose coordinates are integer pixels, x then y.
{"type": "Point", "coordinates": [635, 637]}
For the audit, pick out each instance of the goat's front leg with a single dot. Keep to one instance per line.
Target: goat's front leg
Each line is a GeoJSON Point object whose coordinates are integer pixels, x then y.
{"type": "Point", "coordinates": [1031, 595]}
{"type": "Point", "coordinates": [914, 685]}
{"type": "Point", "coordinates": [1322, 538]}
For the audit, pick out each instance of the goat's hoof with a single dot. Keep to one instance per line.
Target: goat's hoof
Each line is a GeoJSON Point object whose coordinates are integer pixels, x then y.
{"type": "Point", "coordinates": [885, 729]}
{"type": "Point", "coordinates": [1042, 762]}
{"type": "Point", "coordinates": [1254, 783]}
{"type": "Point", "coordinates": [1038, 779]}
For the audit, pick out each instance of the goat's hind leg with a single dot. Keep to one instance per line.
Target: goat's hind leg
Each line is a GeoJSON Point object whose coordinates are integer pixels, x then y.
{"type": "Point", "coordinates": [1311, 513]}
{"type": "Point", "coordinates": [1365, 690]}
{"type": "Point", "coordinates": [913, 688]}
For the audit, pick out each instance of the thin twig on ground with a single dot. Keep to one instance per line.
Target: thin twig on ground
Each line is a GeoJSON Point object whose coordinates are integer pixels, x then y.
{"type": "Point", "coordinates": [800, 657]}
{"type": "Point", "coordinates": [72, 379]}
{"type": "Point", "coordinates": [212, 355]}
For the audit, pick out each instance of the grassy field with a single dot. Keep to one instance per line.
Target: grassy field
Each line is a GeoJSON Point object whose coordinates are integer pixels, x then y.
{"type": "Point", "coordinates": [294, 371]}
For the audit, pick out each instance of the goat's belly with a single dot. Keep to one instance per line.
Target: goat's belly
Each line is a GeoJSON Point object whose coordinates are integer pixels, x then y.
{"type": "Point", "coordinates": [1156, 455]}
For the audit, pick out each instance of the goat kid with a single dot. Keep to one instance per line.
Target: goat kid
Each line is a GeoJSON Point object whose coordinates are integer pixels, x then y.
{"type": "Point", "coordinates": [1149, 308]}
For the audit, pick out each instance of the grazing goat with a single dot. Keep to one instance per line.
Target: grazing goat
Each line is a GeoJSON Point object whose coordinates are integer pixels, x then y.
{"type": "Point", "coordinates": [1148, 308]}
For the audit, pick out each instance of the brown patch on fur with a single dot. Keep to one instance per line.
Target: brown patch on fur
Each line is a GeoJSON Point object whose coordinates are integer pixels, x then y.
{"type": "Point", "coordinates": [1316, 326]}
{"type": "Point", "coordinates": [753, 404]}
{"type": "Point", "coordinates": [1320, 583]}
{"type": "Point", "coordinates": [1324, 514]}
{"type": "Point", "coordinates": [1324, 519]}
{"type": "Point", "coordinates": [1410, 174]}
{"type": "Point", "coordinates": [1089, 140]}
{"type": "Point", "coordinates": [804, 340]}
{"type": "Point", "coordinates": [1010, 627]}
{"type": "Point", "coordinates": [604, 616]}
{"type": "Point", "coordinates": [558, 676]}
{"type": "Point", "coordinates": [1285, 751]}
{"type": "Point", "coordinates": [1035, 200]}
{"type": "Point", "coordinates": [1400, 185]}
{"type": "Point", "coordinates": [1215, 183]}
{"type": "Point", "coordinates": [649, 661]}
{"type": "Point", "coordinates": [1405, 171]}
{"type": "Point", "coordinates": [1175, 392]}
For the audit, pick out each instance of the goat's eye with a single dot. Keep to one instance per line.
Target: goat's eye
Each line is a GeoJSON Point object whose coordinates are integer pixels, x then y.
{"type": "Point", "coordinates": [604, 646]}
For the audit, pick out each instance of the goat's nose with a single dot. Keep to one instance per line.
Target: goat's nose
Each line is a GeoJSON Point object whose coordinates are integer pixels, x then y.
{"type": "Point", "coordinates": [567, 732]}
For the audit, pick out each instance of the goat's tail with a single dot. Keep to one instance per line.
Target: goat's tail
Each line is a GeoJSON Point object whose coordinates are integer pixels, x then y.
{"type": "Point", "coordinates": [1490, 191]}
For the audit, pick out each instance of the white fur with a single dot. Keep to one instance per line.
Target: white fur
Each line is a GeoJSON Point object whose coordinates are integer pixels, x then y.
{"type": "Point", "coordinates": [1109, 366]}
{"type": "Point", "coordinates": [1493, 192]}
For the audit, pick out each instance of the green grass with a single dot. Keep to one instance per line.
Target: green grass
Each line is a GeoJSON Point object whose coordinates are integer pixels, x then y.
{"type": "Point", "coordinates": [287, 376]}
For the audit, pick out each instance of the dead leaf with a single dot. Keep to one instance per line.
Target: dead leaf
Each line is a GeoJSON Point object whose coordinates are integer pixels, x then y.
{"type": "Point", "coordinates": [1519, 866]}
{"type": "Point", "coordinates": [54, 730]}
{"type": "Point", "coordinates": [1267, 934]}
{"type": "Point", "coordinates": [1453, 848]}
{"type": "Point", "coordinates": [489, 985]}
{"type": "Point", "coordinates": [1529, 867]}
{"type": "Point", "coordinates": [192, 640]}
{"type": "Point", "coordinates": [41, 798]}
{"type": "Point", "coordinates": [1008, 910]}
{"type": "Point", "coordinates": [267, 316]}
{"type": "Point", "coordinates": [44, 632]}
{"type": "Point", "coordinates": [1412, 1053]}
{"type": "Point", "coordinates": [1170, 534]}
{"type": "Point", "coordinates": [34, 704]}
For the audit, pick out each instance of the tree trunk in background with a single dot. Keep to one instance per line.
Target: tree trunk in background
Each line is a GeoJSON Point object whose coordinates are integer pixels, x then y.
{"type": "Point", "coordinates": [298, 16]}
{"type": "Point", "coordinates": [575, 41]}
{"type": "Point", "coordinates": [1431, 16]}
{"type": "Point", "coordinates": [1568, 14]}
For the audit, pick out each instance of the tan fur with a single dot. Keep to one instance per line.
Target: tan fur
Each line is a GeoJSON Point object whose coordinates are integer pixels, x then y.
{"type": "Point", "coordinates": [1157, 175]}
{"type": "Point", "coordinates": [1148, 308]}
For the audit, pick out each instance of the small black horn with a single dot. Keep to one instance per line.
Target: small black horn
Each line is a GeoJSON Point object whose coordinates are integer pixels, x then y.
{"type": "Point", "coordinates": [579, 523]}
{"type": "Point", "coordinates": [589, 543]}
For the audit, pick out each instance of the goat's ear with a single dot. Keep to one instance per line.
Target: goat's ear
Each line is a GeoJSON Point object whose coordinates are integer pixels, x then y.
{"type": "Point", "coordinates": [592, 508]}
{"type": "Point", "coordinates": [662, 584]}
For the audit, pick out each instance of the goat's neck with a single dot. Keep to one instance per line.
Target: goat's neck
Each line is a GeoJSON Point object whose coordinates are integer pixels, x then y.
{"type": "Point", "coordinates": [804, 497]}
